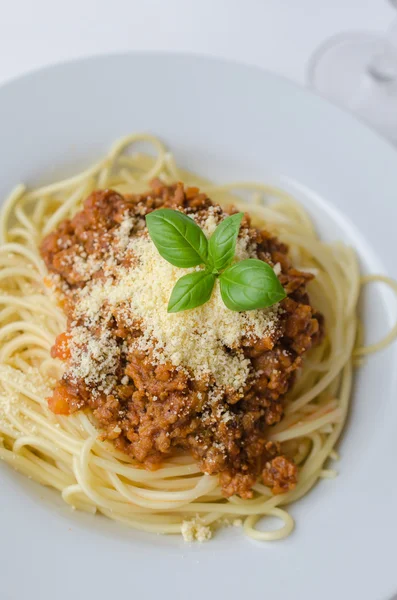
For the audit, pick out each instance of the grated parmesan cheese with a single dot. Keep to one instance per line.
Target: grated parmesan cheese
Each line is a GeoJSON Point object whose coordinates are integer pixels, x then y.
{"type": "Point", "coordinates": [195, 530]}
{"type": "Point", "coordinates": [205, 341]}
{"type": "Point", "coordinates": [16, 387]}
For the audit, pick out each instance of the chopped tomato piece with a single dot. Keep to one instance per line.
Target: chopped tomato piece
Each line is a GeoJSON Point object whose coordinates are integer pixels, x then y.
{"type": "Point", "coordinates": [59, 401]}
{"type": "Point", "coordinates": [61, 348]}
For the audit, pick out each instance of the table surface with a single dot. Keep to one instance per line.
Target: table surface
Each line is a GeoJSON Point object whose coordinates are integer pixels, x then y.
{"type": "Point", "coordinates": [279, 35]}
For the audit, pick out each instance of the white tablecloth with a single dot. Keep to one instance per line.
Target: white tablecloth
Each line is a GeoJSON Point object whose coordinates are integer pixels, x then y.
{"type": "Point", "coordinates": [279, 35]}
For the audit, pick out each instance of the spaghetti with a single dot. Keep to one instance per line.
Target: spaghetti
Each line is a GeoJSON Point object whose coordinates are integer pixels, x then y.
{"type": "Point", "coordinates": [64, 452]}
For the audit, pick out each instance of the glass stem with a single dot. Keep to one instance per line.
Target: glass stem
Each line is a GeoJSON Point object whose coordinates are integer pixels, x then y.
{"type": "Point", "coordinates": [383, 65]}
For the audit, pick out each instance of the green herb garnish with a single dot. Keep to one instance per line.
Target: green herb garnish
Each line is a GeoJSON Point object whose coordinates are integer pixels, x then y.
{"type": "Point", "coordinates": [191, 290]}
{"type": "Point", "coordinates": [250, 283]}
{"type": "Point", "coordinates": [177, 238]}
{"type": "Point", "coordinates": [222, 243]}
{"type": "Point", "coordinates": [246, 285]}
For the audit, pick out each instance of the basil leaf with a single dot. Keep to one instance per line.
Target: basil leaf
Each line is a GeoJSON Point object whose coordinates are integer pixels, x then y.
{"type": "Point", "coordinates": [191, 290]}
{"type": "Point", "coordinates": [250, 284]}
{"type": "Point", "coordinates": [222, 244]}
{"type": "Point", "coordinates": [177, 238]}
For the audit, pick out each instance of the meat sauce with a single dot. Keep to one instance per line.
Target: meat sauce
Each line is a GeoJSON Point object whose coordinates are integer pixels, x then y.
{"type": "Point", "coordinates": [161, 410]}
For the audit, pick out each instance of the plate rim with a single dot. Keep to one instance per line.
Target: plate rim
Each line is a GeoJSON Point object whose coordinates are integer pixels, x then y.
{"type": "Point", "coordinates": [200, 56]}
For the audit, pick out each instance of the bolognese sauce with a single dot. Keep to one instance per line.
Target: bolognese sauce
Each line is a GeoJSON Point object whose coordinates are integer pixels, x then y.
{"type": "Point", "coordinates": [155, 392]}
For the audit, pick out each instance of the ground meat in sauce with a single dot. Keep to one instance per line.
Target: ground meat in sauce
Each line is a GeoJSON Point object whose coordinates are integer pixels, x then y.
{"type": "Point", "coordinates": [154, 410]}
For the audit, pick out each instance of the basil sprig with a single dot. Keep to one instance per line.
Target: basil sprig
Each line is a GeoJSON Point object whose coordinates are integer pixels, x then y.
{"type": "Point", "coordinates": [177, 238]}
{"type": "Point", "coordinates": [246, 285]}
{"type": "Point", "coordinates": [191, 290]}
{"type": "Point", "coordinates": [222, 243]}
{"type": "Point", "coordinates": [250, 283]}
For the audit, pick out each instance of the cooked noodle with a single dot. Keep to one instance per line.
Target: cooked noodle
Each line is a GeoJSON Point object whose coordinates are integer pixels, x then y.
{"type": "Point", "coordinates": [65, 452]}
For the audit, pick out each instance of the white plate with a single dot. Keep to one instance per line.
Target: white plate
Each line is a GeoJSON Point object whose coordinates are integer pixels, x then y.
{"type": "Point", "coordinates": [225, 121]}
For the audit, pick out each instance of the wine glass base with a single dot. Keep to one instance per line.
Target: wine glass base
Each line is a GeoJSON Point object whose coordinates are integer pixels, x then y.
{"type": "Point", "coordinates": [341, 71]}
